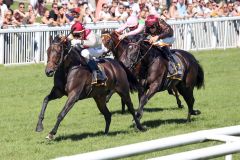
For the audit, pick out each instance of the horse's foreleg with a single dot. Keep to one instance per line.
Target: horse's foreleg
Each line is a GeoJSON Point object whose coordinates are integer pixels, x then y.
{"type": "Point", "coordinates": [72, 99]}
{"type": "Point", "coordinates": [146, 97]}
{"type": "Point", "coordinates": [55, 93]}
{"type": "Point", "coordinates": [101, 104]}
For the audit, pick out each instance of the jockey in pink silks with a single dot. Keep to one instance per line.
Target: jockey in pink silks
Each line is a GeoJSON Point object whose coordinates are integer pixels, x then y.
{"type": "Point", "coordinates": [135, 27]}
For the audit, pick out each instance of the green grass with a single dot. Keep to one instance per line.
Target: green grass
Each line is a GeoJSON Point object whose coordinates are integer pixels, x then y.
{"type": "Point", "coordinates": [23, 88]}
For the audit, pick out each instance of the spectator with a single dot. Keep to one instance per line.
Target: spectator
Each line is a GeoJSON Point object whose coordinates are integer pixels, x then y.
{"type": "Point", "coordinates": [1, 19]}
{"type": "Point", "coordinates": [214, 10]}
{"type": "Point", "coordinates": [8, 3]}
{"type": "Point", "coordinates": [112, 10]}
{"type": "Point", "coordinates": [30, 15]}
{"type": "Point", "coordinates": [200, 9]}
{"type": "Point", "coordinates": [155, 9]}
{"type": "Point", "coordinates": [224, 10]}
{"type": "Point", "coordinates": [135, 7]}
{"type": "Point", "coordinates": [165, 14]}
{"type": "Point", "coordinates": [3, 8]}
{"type": "Point", "coordinates": [173, 12]}
{"type": "Point", "coordinates": [88, 16]}
{"type": "Point", "coordinates": [9, 19]}
{"type": "Point", "coordinates": [182, 9]}
{"type": "Point", "coordinates": [129, 11]}
{"type": "Point", "coordinates": [46, 18]}
{"type": "Point", "coordinates": [142, 16]}
{"type": "Point", "coordinates": [54, 14]}
{"type": "Point", "coordinates": [121, 14]}
{"type": "Point", "coordinates": [65, 6]}
{"type": "Point", "coordinates": [40, 7]}
{"type": "Point", "coordinates": [104, 14]}
{"type": "Point", "coordinates": [19, 14]}
{"type": "Point", "coordinates": [62, 17]}
{"type": "Point", "coordinates": [236, 10]}
{"type": "Point", "coordinates": [72, 4]}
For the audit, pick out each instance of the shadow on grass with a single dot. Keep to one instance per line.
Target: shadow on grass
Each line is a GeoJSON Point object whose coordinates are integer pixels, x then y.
{"type": "Point", "coordinates": [77, 137]}
{"type": "Point", "coordinates": [159, 122]}
{"type": "Point", "coordinates": [152, 109]}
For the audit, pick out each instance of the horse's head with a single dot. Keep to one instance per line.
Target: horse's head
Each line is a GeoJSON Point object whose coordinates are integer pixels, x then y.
{"type": "Point", "coordinates": [55, 54]}
{"type": "Point", "coordinates": [112, 42]}
{"type": "Point", "coordinates": [107, 39]}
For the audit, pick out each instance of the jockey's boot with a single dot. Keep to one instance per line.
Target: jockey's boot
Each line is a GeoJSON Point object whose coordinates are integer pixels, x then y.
{"type": "Point", "coordinates": [98, 76]}
{"type": "Point", "coordinates": [173, 66]}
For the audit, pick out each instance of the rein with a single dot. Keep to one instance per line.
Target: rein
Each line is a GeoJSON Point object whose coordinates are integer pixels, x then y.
{"type": "Point", "coordinates": [135, 63]}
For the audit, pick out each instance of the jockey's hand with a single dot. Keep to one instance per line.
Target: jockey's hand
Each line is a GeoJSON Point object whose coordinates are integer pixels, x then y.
{"type": "Point", "coordinates": [74, 42]}
{"type": "Point", "coordinates": [153, 39]}
{"type": "Point", "coordinates": [122, 36]}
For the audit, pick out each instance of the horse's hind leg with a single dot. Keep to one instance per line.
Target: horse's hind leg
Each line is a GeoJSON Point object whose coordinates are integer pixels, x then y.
{"type": "Point", "coordinates": [187, 94]}
{"type": "Point", "coordinates": [122, 101]}
{"type": "Point", "coordinates": [72, 99]}
{"type": "Point", "coordinates": [177, 97]}
{"type": "Point", "coordinates": [101, 103]}
{"type": "Point", "coordinates": [54, 94]}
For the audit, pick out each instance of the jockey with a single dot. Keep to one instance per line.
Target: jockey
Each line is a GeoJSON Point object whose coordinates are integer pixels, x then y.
{"type": "Point", "coordinates": [135, 26]}
{"type": "Point", "coordinates": [161, 34]}
{"type": "Point", "coordinates": [92, 47]}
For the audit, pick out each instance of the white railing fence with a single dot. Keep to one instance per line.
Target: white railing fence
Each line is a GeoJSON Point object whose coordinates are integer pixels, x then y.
{"type": "Point", "coordinates": [28, 44]}
{"type": "Point", "coordinates": [225, 134]}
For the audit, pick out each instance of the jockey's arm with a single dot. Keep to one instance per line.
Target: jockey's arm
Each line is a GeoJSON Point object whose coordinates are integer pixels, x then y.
{"type": "Point", "coordinates": [91, 40]}
{"type": "Point", "coordinates": [167, 31]}
{"type": "Point", "coordinates": [122, 28]}
{"type": "Point", "coordinates": [138, 30]}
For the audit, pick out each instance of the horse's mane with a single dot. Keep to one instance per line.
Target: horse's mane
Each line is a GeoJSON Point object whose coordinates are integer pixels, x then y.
{"type": "Point", "coordinates": [57, 39]}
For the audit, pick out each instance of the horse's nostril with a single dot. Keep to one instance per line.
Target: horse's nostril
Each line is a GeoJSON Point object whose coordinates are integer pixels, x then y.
{"type": "Point", "coordinates": [49, 73]}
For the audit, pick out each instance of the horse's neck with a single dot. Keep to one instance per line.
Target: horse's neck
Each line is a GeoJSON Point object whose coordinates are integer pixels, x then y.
{"type": "Point", "coordinates": [72, 59]}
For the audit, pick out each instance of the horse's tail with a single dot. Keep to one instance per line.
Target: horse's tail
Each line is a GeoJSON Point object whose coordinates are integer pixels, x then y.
{"type": "Point", "coordinates": [132, 80]}
{"type": "Point", "coordinates": [200, 77]}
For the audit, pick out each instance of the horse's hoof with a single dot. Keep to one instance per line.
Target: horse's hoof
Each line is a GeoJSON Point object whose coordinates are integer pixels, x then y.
{"type": "Point", "coordinates": [195, 112]}
{"type": "Point", "coordinates": [39, 128]}
{"type": "Point", "coordinates": [143, 128]}
{"type": "Point", "coordinates": [50, 137]}
{"type": "Point", "coordinates": [180, 106]}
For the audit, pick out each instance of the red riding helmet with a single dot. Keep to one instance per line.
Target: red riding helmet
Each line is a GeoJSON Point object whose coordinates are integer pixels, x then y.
{"type": "Point", "coordinates": [151, 20]}
{"type": "Point", "coordinates": [77, 27]}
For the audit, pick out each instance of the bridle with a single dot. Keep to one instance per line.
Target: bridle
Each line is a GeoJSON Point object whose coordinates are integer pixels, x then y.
{"type": "Point", "coordinates": [139, 57]}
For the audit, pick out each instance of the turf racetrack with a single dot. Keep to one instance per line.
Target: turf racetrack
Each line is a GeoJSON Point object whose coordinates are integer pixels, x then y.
{"type": "Point", "coordinates": [22, 89]}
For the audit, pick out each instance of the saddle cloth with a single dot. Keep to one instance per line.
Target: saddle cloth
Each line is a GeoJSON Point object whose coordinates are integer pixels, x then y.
{"type": "Point", "coordinates": [175, 72]}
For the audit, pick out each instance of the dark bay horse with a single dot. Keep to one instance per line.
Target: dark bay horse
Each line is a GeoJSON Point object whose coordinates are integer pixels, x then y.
{"type": "Point", "coordinates": [73, 79]}
{"type": "Point", "coordinates": [151, 69]}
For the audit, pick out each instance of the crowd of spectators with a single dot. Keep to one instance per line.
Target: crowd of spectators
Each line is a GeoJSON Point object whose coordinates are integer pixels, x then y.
{"type": "Point", "coordinates": [62, 12]}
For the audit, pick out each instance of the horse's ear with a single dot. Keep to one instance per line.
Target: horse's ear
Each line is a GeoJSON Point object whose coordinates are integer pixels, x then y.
{"type": "Point", "coordinates": [50, 39]}
{"type": "Point", "coordinates": [104, 31]}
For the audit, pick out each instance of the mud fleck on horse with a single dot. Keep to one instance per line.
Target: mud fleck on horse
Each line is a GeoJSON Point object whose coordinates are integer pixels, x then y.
{"type": "Point", "coordinates": [73, 78]}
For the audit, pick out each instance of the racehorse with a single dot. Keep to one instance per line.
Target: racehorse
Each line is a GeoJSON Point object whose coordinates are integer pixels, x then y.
{"type": "Point", "coordinates": [73, 78]}
{"type": "Point", "coordinates": [151, 68]}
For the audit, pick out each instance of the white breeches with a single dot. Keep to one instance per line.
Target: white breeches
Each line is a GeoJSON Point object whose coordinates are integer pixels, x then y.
{"type": "Point", "coordinates": [168, 40]}
{"type": "Point", "coordinates": [89, 53]}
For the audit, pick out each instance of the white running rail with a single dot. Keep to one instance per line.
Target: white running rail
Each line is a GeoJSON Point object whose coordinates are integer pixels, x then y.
{"type": "Point", "coordinates": [221, 134]}
{"type": "Point", "coordinates": [28, 44]}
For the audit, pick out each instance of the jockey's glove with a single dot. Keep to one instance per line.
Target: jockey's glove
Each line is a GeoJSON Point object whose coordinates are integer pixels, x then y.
{"type": "Point", "coordinates": [122, 36]}
{"type": "Point", "coordinates": [74, 42]}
